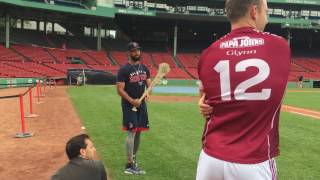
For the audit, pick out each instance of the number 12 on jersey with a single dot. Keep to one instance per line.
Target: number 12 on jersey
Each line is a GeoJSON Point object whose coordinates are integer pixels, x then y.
{"type": "Point", "coordinates": [223, 68]}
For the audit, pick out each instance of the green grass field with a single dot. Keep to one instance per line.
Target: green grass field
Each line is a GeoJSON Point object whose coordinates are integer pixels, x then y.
{"type": "Point", "coordinates": [309, 99]}
{"type": "Point", "coordinates": [169, 151]}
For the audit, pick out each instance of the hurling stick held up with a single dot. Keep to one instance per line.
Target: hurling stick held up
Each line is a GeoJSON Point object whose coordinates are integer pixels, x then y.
{"type": "Point", "coordinates": [164, 68]}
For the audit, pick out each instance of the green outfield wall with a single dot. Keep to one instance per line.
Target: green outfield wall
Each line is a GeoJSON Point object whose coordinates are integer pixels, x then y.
{"type": "Point", "coordinates": [17, 82]}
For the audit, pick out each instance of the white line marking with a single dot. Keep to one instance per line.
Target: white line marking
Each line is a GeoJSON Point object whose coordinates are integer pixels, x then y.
{"type": "Point", "coordinates": [317, 117]}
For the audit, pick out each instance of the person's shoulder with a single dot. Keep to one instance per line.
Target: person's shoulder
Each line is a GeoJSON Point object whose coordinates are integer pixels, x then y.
{"type": "Point", "coordinates": [273, 37]}
{"type": "Point", "coordinates": [214, 46]}
{"type": "Point", "coordinates": [144, 66]}
{"type": "Point", "coordinates": [92, 163]}
{"type": "Point", "coordinates": [124, 66]}
{"type": "Point", "coordinates": [59, 174]}
{"type": "Point", "coordinates": [95, 165]}
{"type": "Point", "coordinates": [279, 43]}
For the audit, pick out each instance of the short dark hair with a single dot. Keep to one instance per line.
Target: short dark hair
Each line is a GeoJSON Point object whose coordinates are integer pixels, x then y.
{"type": "Point", "coordinates": [237, 9]}
{"type": "Point", "coordinates": [74, 145]}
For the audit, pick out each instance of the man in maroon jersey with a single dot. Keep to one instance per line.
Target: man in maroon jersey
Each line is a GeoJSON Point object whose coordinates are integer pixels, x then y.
{"type": "Point", "coordinates": [244, 76]}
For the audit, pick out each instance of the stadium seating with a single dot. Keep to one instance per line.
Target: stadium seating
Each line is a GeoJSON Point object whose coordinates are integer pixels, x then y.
{"type": "Point", "coordinates": [64, 67]}
{"type": "Point", "coordinates": [175, 73]}
{"type": "Point", "coordinates": [193, 72]}
{"type": "Point", "coordinates": [308, 64]}
{"type": "Point", "coordinates": [110, 68]}
{"type": "Point", "coordinates": [293, 76]}
{"type": "Point", "coordinates": [35, 61]}
{"type": "Point", "coordinates": [100, 57]}
{"type": "Point", "coordinates": [119, 56]}
{"type": "Point", "coordinates": [163, 57]}
{"type": "Point", "coordinates": [295, 67]}
{"type": "Point", "coordinates": [64, 55]}
{"type": "Point", "coordinates": [36, 54]}
{"type": "Point", "coordinates": [147, 60]}
{"type": "Point", "coordinates": [37, 69]}
{"type": "Point", "coordinates": [122, 58]}
{"type": "Point", "coordinates": [12, 71]}
{"type": "Point", "coordinates": [188, 60]}
{"type": "Point", "coordinates": [9, 55]}
{"type": "Point", "coordinates": [178, 73]}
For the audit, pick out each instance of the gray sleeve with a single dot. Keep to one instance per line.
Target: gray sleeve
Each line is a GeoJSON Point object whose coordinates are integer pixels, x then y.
{"type": "Point", "coordinates": [55, 176]}
{"type": "Point", "coordinates": [102, 171]}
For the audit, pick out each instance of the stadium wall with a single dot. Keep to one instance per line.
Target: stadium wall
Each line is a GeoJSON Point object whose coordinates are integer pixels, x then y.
{"type": "Point", "coordinates": [17, 82]}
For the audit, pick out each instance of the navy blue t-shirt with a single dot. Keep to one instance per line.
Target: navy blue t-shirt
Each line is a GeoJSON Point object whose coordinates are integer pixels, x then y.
{"type": "Point", "coordinates": [135, 79]}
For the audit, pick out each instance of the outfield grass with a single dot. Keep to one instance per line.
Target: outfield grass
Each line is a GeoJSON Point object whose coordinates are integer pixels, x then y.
{"type": "Point", "coordinates": [309, 99]}
{"type": "Point", "coordinates": [169, 151]}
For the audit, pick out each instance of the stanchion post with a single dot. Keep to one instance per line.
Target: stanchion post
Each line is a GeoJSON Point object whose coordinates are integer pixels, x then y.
{"type": "Point", "coordinates": [38, 92]}
{"type": "Point", "coordinates": [31, 115]}
{"type": "Point", "coordinates": [44, 85]}
{"type": "Point", "coordinates": [40, 86]}
{"type": "Point", "coordinates": [22, 134]}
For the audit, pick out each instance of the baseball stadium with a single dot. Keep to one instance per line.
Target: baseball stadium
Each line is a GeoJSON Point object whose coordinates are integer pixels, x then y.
{"type": "Point", "coordinates": [60, 62]}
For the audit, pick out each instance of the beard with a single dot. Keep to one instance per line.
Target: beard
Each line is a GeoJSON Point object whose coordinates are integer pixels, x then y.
{"type": "Point", "coordinates": [135, 58]}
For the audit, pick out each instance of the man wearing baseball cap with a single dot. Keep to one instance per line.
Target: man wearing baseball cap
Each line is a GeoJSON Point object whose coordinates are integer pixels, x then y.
{"type": "Point", "coordinates": [132, 80]}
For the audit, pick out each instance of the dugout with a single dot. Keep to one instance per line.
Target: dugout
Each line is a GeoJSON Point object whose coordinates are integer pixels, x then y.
{"type": "Point", "coordinates": [316, 84]}
{"type": "Point", "coordinates": [94, 77]}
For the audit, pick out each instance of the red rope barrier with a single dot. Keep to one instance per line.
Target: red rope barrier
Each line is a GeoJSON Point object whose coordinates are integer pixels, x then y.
{"type": "Point", "coordinates": [23, 133]}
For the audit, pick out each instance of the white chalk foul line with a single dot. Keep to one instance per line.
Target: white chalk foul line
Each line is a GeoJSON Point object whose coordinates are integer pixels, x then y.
{"type": "Point", "coordinates": [317, 117]}
{"type": "Point", "coordinates": [302, 109]}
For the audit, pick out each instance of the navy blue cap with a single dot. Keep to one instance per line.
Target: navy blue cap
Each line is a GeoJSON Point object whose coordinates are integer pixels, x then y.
{"type": "Point", "coordinates": [133, 45]}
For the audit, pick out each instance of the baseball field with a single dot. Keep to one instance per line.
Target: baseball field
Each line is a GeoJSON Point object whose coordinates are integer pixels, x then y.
{"type": "Point", "coordinates": [170, 149]}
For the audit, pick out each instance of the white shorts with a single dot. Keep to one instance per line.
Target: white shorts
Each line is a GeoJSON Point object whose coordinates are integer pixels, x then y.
{"type": "Point", "coordinates": [210, 168]}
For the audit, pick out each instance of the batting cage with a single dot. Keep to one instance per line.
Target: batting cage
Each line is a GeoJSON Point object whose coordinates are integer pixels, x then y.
{"type": "Point", "coordinates": [89, 76]}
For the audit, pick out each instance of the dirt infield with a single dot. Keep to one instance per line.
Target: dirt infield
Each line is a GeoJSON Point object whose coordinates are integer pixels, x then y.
{"type": "Point", "coordinates": [38, 157]}
{"type": "Point", "coordinates": [285, 108]}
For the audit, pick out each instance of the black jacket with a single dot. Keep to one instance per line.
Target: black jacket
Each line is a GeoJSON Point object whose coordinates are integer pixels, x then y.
{"type": "Point", "coordinates": [81, 169]}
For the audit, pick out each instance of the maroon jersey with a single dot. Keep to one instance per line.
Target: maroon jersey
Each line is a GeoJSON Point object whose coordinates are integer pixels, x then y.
{"type": "Point", "coordinates": [244, 75]}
